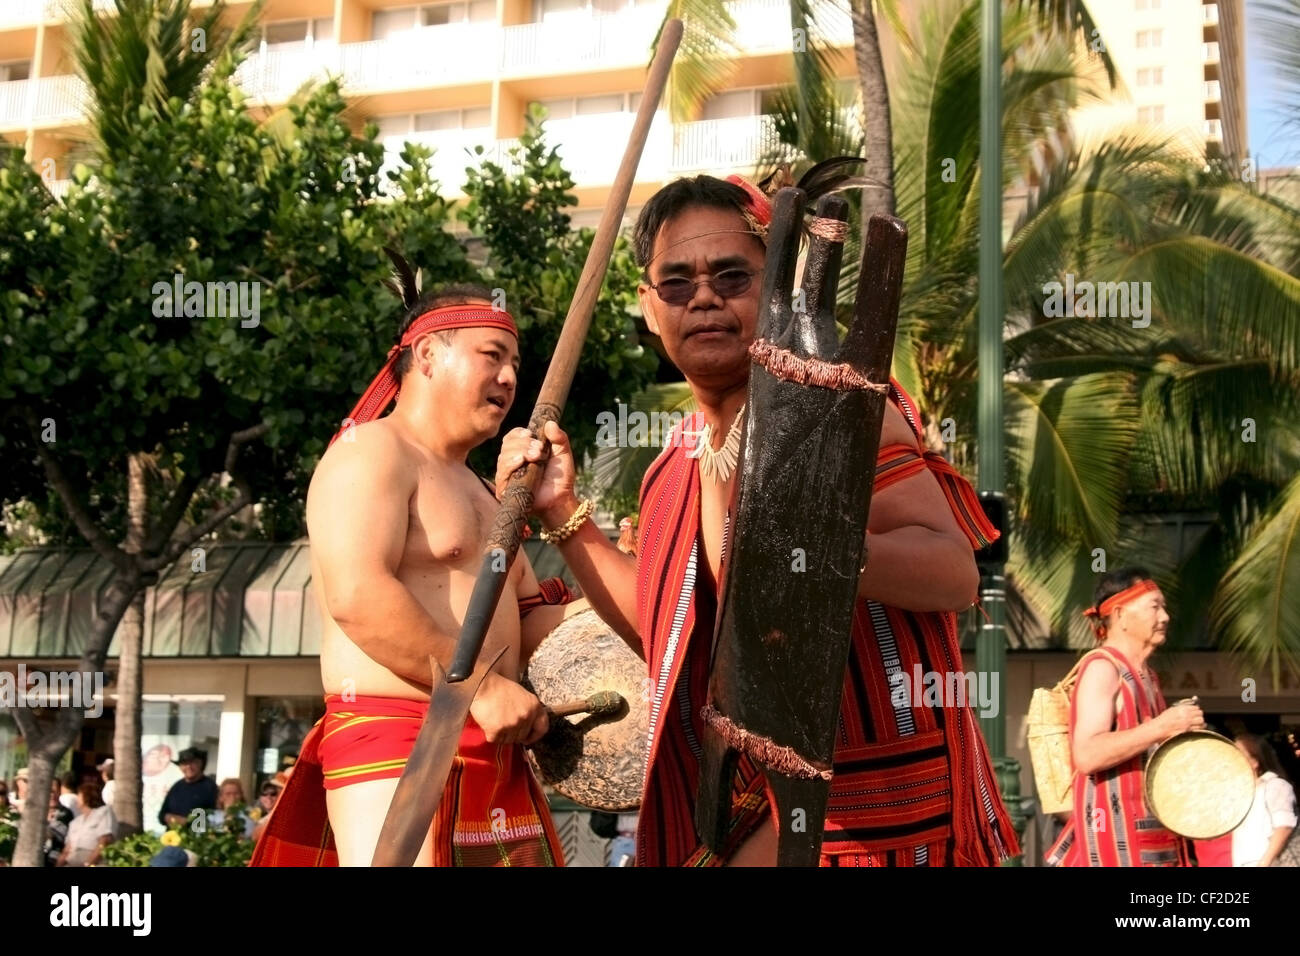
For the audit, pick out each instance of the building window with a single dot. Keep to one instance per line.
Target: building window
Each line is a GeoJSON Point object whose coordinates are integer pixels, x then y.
{"type": "Point", "coordinates": [1151, 114]}
{"type": "Point", "coordinates": [282, 725]}
{"type": "Point", "coordinates": [402, 124]}
{"type": "Point", "coordinates": [547, 9]}
{"type": "Point", "coordinates": [1151, 76]}
{"type": "Point", "coordinates": [567, 107]}
{"type": "Point", "coordinates": [15, 70]}
{"type": "Point", "coordinates": [733, 103]}
{"type": "Point", "coordinates": [387, 23]}
{"type": "Point", "coordinates": [1148, 39]}
{"type": "Point", "coordinates": [169, 725]}
{"type": "Point", "coordinates": [320, 30]}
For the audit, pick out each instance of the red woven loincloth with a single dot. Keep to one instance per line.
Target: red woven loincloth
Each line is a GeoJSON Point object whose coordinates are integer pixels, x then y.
{"type": "Point", "coordinates": [493, 812]}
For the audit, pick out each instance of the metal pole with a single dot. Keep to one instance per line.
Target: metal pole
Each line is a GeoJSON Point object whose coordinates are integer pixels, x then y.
{"type": "Point", "coordinates": [990, 645]}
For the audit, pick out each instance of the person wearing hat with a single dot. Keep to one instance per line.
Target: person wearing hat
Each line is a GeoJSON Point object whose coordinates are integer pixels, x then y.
{"type": "Point", "coordinates": [192, 792]}
{"type": "Point", "coordinates": [106, 771]}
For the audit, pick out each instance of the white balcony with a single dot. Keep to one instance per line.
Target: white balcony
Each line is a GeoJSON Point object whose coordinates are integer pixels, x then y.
{"type": "Point", "coordinates": [1211, 52]}
{"type": "Point", "coordinates": [1211, 91]}
{"type": "Point", "coordinates": [591, 148]}
{"type": "Point", "coordinates": [59, 100]}
{"type": "Point", "coordinates": [432, 56]}
{"type": "Point", "coordinates": [1214, 130]}
{"type": "Point", "coordinates": [1210, 13]}
{"type": "Point", "coordinates": [581, 41]}
{"type": "Point", "coordinates": [763, 26]}
{"type": "Point", "coordinates": [21, 13]}
{"type": "Point", "coordinates": [572, 44]}
{"type": "Point", "coordinates": [735, 143]}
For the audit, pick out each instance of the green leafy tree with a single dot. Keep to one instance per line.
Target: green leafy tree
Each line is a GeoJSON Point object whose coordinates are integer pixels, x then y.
{"type": "Point", "coordinates": [1104, 420]}
{"type": "Point", "coordinates": [536, 257]}
{"type": "Point", "coordinates": [147, 423]}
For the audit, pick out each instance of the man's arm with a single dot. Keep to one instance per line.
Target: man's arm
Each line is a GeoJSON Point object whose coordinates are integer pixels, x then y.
{"type": "Point", "coordinates": [918, 559]}
{"type": "Point", "coordinates": [357, 516]}
{"type": "Point", "coordinates": [605, 574]}
{"type": "Point", "coordinates": [1094, 746]}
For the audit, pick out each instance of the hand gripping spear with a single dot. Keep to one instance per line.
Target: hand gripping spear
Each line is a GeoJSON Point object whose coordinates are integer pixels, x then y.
{"type": "Point", "coordinates": [419, 791]}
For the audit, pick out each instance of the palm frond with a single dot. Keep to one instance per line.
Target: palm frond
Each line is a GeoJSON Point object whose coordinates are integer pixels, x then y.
{"type": "Point", "coordinates": [1068, 444]}
{"type": "Point", "coordinates": [1255, 610]}
{"type": "Point", "coordinates": [706, 57]}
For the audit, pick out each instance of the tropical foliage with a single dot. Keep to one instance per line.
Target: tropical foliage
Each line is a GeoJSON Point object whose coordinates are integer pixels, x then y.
{"type": "Point", "coordinates": [1110, 421]}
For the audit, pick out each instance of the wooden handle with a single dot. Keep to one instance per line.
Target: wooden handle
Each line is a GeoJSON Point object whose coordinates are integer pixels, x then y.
{"type": "Point", "coordinates": [506, 533]}
{"type": "Point", "coordinates": [600, 704]}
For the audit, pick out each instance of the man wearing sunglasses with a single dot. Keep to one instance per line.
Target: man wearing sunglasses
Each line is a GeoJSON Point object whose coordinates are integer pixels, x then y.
{"type": "Point", "coordinates": [913, 785]}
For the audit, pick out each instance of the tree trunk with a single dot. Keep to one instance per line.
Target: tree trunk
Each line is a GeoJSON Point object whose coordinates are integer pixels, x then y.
{"type": "Point", "coordinates": [127, 802]}
{"type": "Point", "coordinates": [879, 196]}
{"type": "Point", "coordinates": [50, 734]}
{"type": "Point", "coordinates": [127, 797]}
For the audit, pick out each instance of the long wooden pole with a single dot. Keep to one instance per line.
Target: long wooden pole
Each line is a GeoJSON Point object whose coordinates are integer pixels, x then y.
{"type": "Point", "coordinates": [419, 791]}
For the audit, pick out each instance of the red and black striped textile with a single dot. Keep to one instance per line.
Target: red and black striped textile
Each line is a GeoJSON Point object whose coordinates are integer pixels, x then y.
{"type": "Point", "coordinates": [1117, 829]}
{"type": "Point", "coordinates": [913, 784]}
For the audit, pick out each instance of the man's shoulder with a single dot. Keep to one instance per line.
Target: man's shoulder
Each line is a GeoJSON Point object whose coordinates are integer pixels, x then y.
{"type": "Point", "coordinates": [374, 452]}
{"type": "Point", "coordinates": [375, 443]}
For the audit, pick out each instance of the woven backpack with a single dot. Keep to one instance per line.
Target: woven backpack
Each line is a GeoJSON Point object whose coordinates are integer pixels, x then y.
{"type": "Point", "coordinates": [1049, 740]}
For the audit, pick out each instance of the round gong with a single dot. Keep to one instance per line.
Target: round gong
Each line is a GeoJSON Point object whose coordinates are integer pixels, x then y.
{"type": "Point", "coordinates": [598, 762]}
{"type": "Point", "coordinates": [1199, 785]}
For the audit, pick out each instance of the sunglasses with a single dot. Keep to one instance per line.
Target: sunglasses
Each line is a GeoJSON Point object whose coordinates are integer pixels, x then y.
{"type": "Point", "coordinates": [728, 284]}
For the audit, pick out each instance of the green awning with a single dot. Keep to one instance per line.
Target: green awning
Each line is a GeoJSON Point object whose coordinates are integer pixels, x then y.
{"type": "Point", "coordinates": [253, 599]}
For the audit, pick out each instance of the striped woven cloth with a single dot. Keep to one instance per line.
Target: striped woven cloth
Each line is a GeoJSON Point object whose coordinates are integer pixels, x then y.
{"type": "Point", "coordinates": [493, 812]}
{"type": "Point", "coordinates": [913, 784]}
{"type": "Point", "coordinates": [1122, 831]}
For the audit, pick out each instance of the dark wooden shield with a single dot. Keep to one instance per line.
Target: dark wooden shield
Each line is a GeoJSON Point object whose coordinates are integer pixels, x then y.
{"type": "Point", "coordinates": [799, 524]}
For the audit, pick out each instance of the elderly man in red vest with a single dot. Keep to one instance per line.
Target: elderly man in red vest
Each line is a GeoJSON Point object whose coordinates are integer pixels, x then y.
{"type": "Point", "coordinates": [1117, 714]}
{"type": "Point", "coordinates": [913, 785]}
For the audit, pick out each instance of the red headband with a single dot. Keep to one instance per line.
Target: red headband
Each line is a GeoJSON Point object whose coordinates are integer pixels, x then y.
{"type": "Point", "coordinates": [1145, 586]}
{"type": "Point", "coordinates": [759, 206]}
{"type": "Point", "coordinates": [383, 389]}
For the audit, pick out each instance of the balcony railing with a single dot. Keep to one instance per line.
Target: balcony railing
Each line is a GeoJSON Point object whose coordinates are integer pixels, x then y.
{"type": "Point", "coordinates": [1212, 91]}
{"type": "Point", "coordinates": [1214, 130]}
{"type": "Point", "coordinates": [1211, 52]}
{"type": "Point", "coordinates": [574, 43]}
{"type": "Point", "coordinates": [592, 147]}
{"type": "Point", "coordinates": [28, 13]}
{"type": "Point", "coordinates": [59, 100]}
{"type": "Point", "coordinates": [1210, 13]}
{"type": "Point", "coordinates": [21, 13]}
{"type": "Point", "coordinates": [734, 143]}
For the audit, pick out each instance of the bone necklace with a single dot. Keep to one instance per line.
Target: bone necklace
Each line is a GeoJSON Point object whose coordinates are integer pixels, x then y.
{"type": "Point", "coordinates": [720, 463]}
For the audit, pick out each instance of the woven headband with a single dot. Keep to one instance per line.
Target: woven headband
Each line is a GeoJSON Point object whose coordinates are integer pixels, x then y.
{"type": "Point", "coordinates": [758, 208]}
{"type": "Point", "coordinates": [383, 389]}
{"type": "Point", "coordinates": [1097, 614]}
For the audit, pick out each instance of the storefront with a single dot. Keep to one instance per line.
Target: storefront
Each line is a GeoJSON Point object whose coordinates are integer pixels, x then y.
{"type": "Point", "coordinates": [230, 657]}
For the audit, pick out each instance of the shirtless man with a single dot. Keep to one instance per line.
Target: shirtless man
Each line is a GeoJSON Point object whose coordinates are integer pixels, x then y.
{"type": "Point", "coordinates": [397, 522]}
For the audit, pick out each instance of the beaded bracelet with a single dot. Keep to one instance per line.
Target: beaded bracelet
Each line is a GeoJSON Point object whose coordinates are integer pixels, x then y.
{"type": "Point", "coordinates": [570, 527]}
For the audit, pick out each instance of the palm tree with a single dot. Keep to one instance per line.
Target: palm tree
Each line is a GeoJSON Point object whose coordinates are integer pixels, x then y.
{"type": "Point", "coordinates": [1104, 418]}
